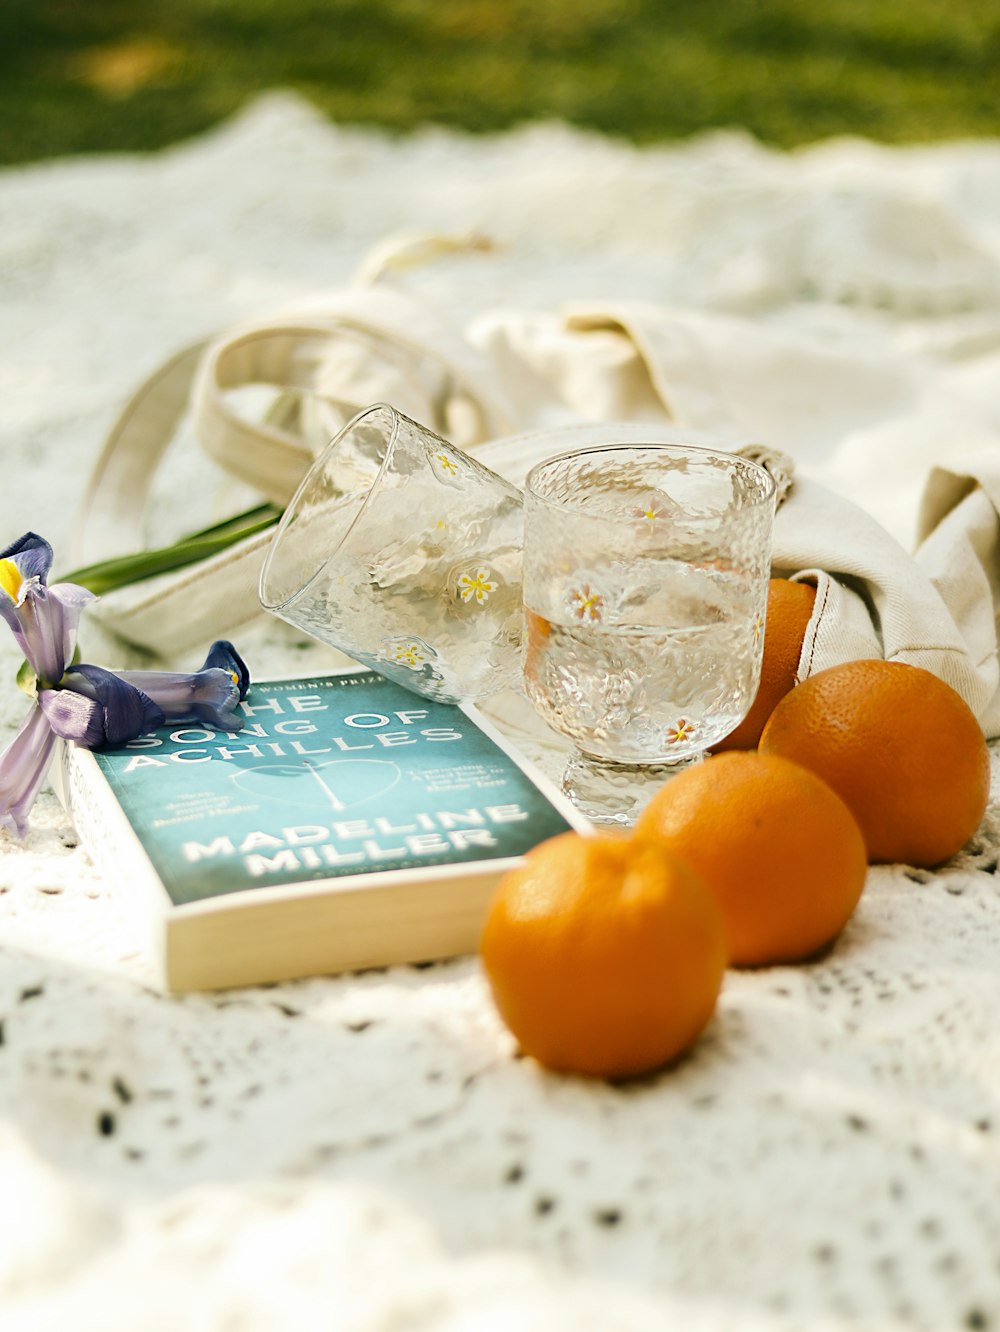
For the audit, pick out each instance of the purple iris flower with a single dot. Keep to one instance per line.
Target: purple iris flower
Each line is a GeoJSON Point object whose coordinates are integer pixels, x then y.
{"type": "Point", "coordinates": [210, 695]}
{"type": "Point", "coordinates": [131, 702]}
{"type": "Point", "coordinates": [43, 618]}
{"type": "Point", "coordinates": [87, 704]}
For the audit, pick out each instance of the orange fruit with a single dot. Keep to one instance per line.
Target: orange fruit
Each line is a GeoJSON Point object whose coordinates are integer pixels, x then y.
{"type": "Point", "coordinates": [789, 609]}
{"type": "Point", "coordinates": [780, 850]}
{"type": "Point", "coordinates": [604, 957]}
{"type": "Point", "coordinates": [901, 747]}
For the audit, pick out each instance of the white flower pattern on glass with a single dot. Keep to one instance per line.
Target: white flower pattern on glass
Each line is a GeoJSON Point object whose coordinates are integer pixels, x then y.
{"type": "Point", "coordinates": [587, 604]}
{"type": "Point", "coordinates": [650, 510]}
{"type": "Point", "coordinates": [412, 653]}
{"type": "Point", "coordinates": [444, 465]}
{"type": "Point", "coordinates": [682, 730]}
{"type": "Point", "coordinates": [476, 586]}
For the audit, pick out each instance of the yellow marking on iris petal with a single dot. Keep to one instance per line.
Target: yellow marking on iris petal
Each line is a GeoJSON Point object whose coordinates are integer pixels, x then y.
{"type": "Point", "coordinates": [11, 580]}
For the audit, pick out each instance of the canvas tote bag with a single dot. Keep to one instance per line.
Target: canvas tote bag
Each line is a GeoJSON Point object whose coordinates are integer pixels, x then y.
{"type": "Point", "coordinates": [634, 372]}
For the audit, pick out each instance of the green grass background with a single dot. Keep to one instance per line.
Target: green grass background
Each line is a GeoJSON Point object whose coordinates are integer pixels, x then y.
{"type": "Point", "coordinates": [86, 75]}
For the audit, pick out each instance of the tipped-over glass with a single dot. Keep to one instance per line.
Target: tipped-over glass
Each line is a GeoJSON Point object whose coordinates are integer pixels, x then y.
{"type": "Point", "coordinates": [645, 587]}
{"type": "Point", "coordinates": [405, 553]}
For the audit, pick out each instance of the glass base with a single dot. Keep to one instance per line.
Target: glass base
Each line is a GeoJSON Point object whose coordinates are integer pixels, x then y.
{"type": "Point", "coordinates": [615, 794]}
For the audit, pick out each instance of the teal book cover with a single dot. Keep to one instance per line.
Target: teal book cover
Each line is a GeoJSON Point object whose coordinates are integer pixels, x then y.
{"type": "Point", "coordinates": [331, 777]}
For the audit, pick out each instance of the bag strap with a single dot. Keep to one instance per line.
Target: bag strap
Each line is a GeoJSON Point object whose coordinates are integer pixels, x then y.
{"type": "Point", "coordinates": [283, 354]}
{"type": "Point", "coordinates": [110, 518]}
{"type": "Point", "coordinates": [286, 355]}
{"type": "Point", "coordinates": [268, 458]}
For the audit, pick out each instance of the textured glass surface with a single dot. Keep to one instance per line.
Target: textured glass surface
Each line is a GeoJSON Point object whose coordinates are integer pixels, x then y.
{"type": "Point", "coordinates": [645, 588]}
{"type": "Point", "coordinates": [405, 553]}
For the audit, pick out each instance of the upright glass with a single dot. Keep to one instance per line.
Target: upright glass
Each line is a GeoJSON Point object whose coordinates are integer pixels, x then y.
{"type": "Point", "coordinates": [645, 587]}
{"type": "Point", "coordinates": [405, 553]}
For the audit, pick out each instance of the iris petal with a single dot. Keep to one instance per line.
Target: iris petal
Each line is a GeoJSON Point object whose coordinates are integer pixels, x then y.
{"type": "Point", "coordinates": [37, 624]}
{"type": "Point", "coordinates": [73, 716]}
{"type": "Point", "coordinates": [211, 695]}
{"type": "Point", "coordinates": [224, 655]}
{"type": "Point", "coordinates": [46, 628]}
{"type": "Point", "coordinates": [43, 619]}
{"type": "Point", "coordinates": [23, 765]}
{"type": "Point", "coordinates": [72, 599]}
{"type": "Point", "coordinates": [31, 554]}
{"type": "Point", "coordinates": [127, 711]}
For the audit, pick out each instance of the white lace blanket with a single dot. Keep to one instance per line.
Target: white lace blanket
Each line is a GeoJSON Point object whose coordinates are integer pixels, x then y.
{"type": "Point", "coordinates": [365, 1153]}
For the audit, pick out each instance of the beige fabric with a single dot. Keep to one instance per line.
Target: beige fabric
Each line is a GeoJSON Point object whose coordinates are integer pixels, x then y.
{"type": "Point", "coordinates": [840, 409]}
{"type": "Point", "coordinates": [959, 552]}
{"type": "Point", "coordinates": [847, 406]}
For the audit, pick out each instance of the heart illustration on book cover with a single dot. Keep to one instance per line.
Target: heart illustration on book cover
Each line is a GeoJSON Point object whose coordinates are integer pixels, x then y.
{"type": "Point", "coordinates": [345, 782]}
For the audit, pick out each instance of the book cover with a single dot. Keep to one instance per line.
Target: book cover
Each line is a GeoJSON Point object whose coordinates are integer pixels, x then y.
{"type": "Point", "coordinates": [350, 823]}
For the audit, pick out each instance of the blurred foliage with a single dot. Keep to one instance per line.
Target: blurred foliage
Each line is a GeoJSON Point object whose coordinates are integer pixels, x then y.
{"type": "Point", "coordinates": [85, 75]}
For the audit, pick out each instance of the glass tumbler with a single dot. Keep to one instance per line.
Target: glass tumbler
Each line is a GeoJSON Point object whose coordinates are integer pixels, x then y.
{"type": "Point", "coordinates": [645, 587]}
{"type": "Point", "coordinates": [405, 553]}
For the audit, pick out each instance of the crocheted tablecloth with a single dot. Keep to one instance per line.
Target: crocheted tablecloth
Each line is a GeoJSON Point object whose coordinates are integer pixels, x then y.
{"type": "Point", "coordinates": [367, 1152]}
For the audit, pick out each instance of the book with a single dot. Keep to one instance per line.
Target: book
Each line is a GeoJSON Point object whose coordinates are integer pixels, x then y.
{"type": "Point", "coordinates": [350, 824]}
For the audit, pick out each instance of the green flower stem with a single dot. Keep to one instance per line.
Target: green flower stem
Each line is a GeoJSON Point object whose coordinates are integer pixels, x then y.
{"type": "Point", "coordinates": [127, 569]}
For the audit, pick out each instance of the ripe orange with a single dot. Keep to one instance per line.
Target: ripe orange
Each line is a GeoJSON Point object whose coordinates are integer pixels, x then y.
{"type": "Point", "coordinates": [901, 747]}
{"type": "Point", "coordinates": [776, 845]}
{"type": "Point", "coordinates": [789, 608]}
{"type": "Point", "coordinates": [604, 957]}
